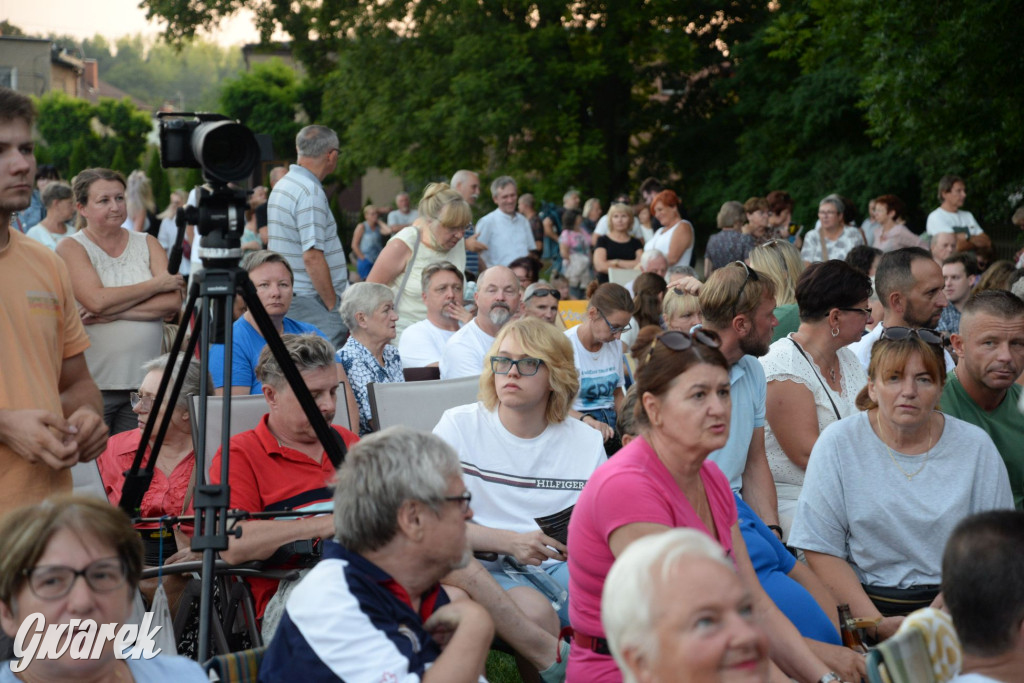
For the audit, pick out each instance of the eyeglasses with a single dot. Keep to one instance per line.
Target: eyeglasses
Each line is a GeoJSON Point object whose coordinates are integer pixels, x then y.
{"type": "Point", "coordinates": [462, 499]}
{"type": "Point", "coordinates": [616, 329]}
{"type": "Point", "coordinates": [146, 401]}
{"type": "Point", "coordinates": [922, 333]}
{"type": "Point", "coordinates": [50, 582]}
{"type": "Point", "coordinates": [854, 309]}
{"type": "Point", "coordinates": [827, 213]}
{"type": "Point", "coordinates": [751, 275]}
{"type": "Point", "coordinates": [526, 367]}
{"type": "Point", "coordinates": [544, 292]}
{"type": "Point", "coordinates": [680, 341]}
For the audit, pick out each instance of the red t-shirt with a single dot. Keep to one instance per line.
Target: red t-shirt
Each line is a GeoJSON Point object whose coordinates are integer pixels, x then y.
{"type": "Point", "coordinates": [266, 476]}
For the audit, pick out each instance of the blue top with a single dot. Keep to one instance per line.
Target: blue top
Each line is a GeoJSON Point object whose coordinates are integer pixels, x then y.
{"type": "Point", "coordinates": [749, 394]}
{"type": "Point", "coordinates": [348, 620]}
{"type": "Point", "coordinates": [248, 343]}
{"type": "Point", "coordinates": [371, 243]}
{"type": "Point", "coordinates": [773, 562]}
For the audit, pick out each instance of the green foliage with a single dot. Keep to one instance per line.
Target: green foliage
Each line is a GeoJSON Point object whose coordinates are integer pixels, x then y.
{"type": "Point", "coordinates": [189, 78]}
{"type": "Point", "coordinates": [111, 132]}
{"type": "Point", "coordinates": [266, 99]}
{"type": "Point", "coordinates": [158, 179]}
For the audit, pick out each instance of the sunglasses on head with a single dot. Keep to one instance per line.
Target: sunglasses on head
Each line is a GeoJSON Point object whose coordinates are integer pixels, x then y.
{"type": "Point", "coordinates": [680, 341]}
{"type": "Point", "coordinates": [923, 333]}
{"type": "Point", "coordinates": [751, 275]}
{"type": "Point", "coordinates": [544, 292]}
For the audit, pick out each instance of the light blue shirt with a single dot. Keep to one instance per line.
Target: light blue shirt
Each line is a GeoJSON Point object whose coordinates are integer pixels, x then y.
{"type": "Point", "coordinates": [749, 394]}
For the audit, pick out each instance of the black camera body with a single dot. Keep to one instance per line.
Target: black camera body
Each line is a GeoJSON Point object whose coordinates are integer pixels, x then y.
{"type": "Point", "coordinates": [224, 149]}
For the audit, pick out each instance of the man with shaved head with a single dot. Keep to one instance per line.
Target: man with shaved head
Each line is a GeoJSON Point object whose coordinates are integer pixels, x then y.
{"type": "Point", "coordinates": [497, 300]}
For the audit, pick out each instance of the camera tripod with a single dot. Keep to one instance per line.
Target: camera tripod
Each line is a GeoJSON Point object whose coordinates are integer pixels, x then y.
{"type": "Point", "coordinates": [214, 290]}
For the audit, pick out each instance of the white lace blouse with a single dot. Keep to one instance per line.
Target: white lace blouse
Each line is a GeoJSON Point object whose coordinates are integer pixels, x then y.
{"type": "Point", "coordinates": [785, 363]}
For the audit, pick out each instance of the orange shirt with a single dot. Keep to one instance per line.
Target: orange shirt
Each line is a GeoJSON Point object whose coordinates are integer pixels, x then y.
{"type": "Point", "coordinates": [39, 329]}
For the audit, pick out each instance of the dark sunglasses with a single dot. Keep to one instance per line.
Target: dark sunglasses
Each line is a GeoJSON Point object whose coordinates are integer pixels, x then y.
{"type": "Point", "coordinates": [544, 292]}
{"type": "Point", "coordinates": [751, 275]}
{"type": "Point", "coordinates": [854, 309]}
{"type": "Point", "coordinates": [680, 341]}
{"type": "Point", "coordinates": [922, 333]}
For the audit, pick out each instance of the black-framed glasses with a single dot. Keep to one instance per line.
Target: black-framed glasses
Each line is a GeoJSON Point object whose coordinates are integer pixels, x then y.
{"type": "Point", "coordinates": [544, 292]}
{"type": "Point", "coordinates": [616, 329]}
{"type": "Point", "coordinates": [923, 333]}
{"type": "Point", "coordinates": [50, 582]}
{"type": "Point", "coordinates": [680, 341]}
{"type": "Point", "coordinates": [854, 309]}
{"type": "Point", "coordinates": [147, 401]}
{"type": "Point", "coordinates": [462, 499]}
{"type": "Point", "coordinates": [526, 367]}
{"type": "Point", "coordinates": [751, 275]}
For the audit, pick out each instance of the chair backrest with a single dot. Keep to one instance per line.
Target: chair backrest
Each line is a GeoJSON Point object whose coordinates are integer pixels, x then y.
{"type": "Point", "coordinates": [418, 405]}
{"type": "Point", "coordinates": [246, 412]}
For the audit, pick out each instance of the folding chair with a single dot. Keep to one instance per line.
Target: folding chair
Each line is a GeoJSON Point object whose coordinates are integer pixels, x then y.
{"type": "Point", "coordinates": [901, 659]}
{"type": "Point", "coordinates": [418, 405]}
{"type": "Point", "coordinates": [237, 667]}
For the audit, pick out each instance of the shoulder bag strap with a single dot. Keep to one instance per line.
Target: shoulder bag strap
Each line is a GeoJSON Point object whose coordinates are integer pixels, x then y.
{"type": "Point", "coordinates": [815, 371]}
{"type": "Point", "coordinates": [824, 256]}
{"type": "Point", "coordinates": [408, 269]}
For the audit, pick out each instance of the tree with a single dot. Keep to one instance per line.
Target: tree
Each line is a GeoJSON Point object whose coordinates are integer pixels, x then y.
{"type": "Point", "coordinates": [266, 100]}
{"type": "Point", "coordinates": [158, 179]}
{"type": "Point", "coordinates": [79, 159]}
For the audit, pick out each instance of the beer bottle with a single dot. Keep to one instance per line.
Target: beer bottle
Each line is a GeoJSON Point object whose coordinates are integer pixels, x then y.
{"type": "Point", "coordinates": [849, 632]}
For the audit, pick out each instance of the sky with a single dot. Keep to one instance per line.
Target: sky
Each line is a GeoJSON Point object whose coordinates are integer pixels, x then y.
{"type": "Point", "coordinates": [85, 18]}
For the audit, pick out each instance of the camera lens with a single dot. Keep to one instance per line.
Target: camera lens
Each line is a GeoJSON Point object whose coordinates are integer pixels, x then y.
{"type": "Point", "coordinates": [227, 151]}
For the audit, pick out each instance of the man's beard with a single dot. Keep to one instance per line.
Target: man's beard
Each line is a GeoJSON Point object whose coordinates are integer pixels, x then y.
{"type": "Point", "coordinates": [499, 314]}
{"type": "Point", "coordinates": [16, 205]}
{"type": "Point", "coordinates": [752, 346]}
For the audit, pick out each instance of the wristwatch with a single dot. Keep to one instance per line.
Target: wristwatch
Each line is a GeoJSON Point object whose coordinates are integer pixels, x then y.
{"type": "Point", "coordinates": [830, 677]}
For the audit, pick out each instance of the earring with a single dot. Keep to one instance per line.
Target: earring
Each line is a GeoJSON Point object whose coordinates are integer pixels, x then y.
{"type": "Point", "coordinates": [835, 332]}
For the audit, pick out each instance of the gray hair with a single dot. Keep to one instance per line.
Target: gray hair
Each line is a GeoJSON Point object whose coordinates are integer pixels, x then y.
{"type": "Point", "coordinates": [731, 215]}
{"type": "Point", "coordinates": [569, 195]}
{"type": "Point", "coordinates": [436, 267]}
{"type": "Point", "coordinates": [254, 259]}
{"type": "Point", "coordinates": [649, 256]}
{"type": "Point", "coordinates": [628, 598]}
{"type": "Point", "coordinates": [680, 270]}
{"type": "Point", "coordinates": [307, 351]}
{"type": "Point", "coordinates": [501, 182]}
{"type": "Point", "coordinates": [192, 384]}
{"type": "Point", "coordinates": [461, 176]}
{"type": "Point", "coordinates": [382, 472]}
{"type": "Point", "coordinates": [315, 141]}
{"type": "Point", "coordinates": [56, 191]}
{"type": "Point", "coordinates": [835, 201]}
{"type": "Point", "coordinates": [363, 297]}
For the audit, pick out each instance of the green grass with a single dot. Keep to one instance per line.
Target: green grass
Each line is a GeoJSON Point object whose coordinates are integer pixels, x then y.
{"type": "Point", "coordinates": [501, 668]}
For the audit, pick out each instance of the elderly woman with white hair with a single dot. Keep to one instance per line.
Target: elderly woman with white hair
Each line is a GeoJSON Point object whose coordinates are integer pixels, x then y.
{"type": "Point", "coordinates": [833, 239]}
{"type": "Point", "coordinates": [674, 609]}
{"type": "Point", "coordinates": [368, 310]}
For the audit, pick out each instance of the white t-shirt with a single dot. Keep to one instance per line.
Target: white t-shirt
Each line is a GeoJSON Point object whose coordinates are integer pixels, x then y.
{"type": "Point", "coordinates": [636, 231]}
{"type": "Point", "coordinates": [514, 480]}
{"type": "Point", "coordinates": [464, 352]}
{"type": "Point", "coordinates": [862, 348]}
{"type": "Point", "coordinates": [600, 373]}
{"type": "Point", "coordinates": [506, 237]}
{"type": "Point", "coordinates": [960, 222]}
{"type": "Point", "coordinates": [422, 343]}
{"type": "Point", "coordinates": [973, 678]}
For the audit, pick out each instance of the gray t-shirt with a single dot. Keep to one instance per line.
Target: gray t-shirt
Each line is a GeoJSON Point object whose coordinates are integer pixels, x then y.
{"type": "Point", "coordinates": [857, 505]}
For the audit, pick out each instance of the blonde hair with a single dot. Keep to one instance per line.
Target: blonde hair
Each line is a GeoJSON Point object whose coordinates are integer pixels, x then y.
{"type": "Point", "coordinates": [780, 261]}
{"type": "Point", "coordinates": [542, 340]}
{"type": "Point", "coordinates": [446, 206]}
{"type": "Point", "coordinates": [619, 207]}
{"type": "Point", "coordinates": [678, 303]}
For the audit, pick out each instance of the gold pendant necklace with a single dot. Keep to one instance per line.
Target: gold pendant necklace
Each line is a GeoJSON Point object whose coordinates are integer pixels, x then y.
{"type": "Point", "coordinates": [927, 454]}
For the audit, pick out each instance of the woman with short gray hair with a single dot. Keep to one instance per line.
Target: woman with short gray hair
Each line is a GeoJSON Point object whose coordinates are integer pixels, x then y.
{"type": "Point", "coordinates": [368, 356]}
{"type": "Point", "coordinates": [833, 239]}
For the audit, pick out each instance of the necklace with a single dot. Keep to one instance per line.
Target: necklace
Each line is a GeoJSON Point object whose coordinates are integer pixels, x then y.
{"type": "Point", "coordinates": [927, 454]}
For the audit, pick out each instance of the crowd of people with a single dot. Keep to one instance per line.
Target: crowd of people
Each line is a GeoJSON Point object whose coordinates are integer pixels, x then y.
{"type": "Point", "coordinates": [668, 475]}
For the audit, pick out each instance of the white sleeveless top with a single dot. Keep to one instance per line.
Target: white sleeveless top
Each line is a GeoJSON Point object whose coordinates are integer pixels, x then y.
{"type": "Point", "coordinates": [411, 308]}
{"type": "Point", "coordinates": [119, 348]}
{"type": "Point", "coordinates": [663, 239]}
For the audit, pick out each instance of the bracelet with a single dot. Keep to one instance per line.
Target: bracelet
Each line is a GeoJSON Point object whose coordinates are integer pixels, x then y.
{"type": "Point", "coordinates": [583, 417]}
{"type": "Point", "coordinates": [830, 677]}
{"type": "Point", "coordinates": [777, 529]}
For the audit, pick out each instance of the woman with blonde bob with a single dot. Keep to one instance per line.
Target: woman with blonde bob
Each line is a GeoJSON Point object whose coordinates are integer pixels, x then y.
{"type": "Point", "coordinates": [436, 235]}
{"type": "Point", "coordinates": [522, 457]}
{"type": "Point", "coordinates": [44, 550]}
{"type": "Point", "coordinates": [651, 609]}
{"type": "Point", "coordinates": [781, 262]}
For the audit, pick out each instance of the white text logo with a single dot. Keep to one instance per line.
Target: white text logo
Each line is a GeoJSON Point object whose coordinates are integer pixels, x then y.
{"type": "Point", "coordinates": [82, 639]}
